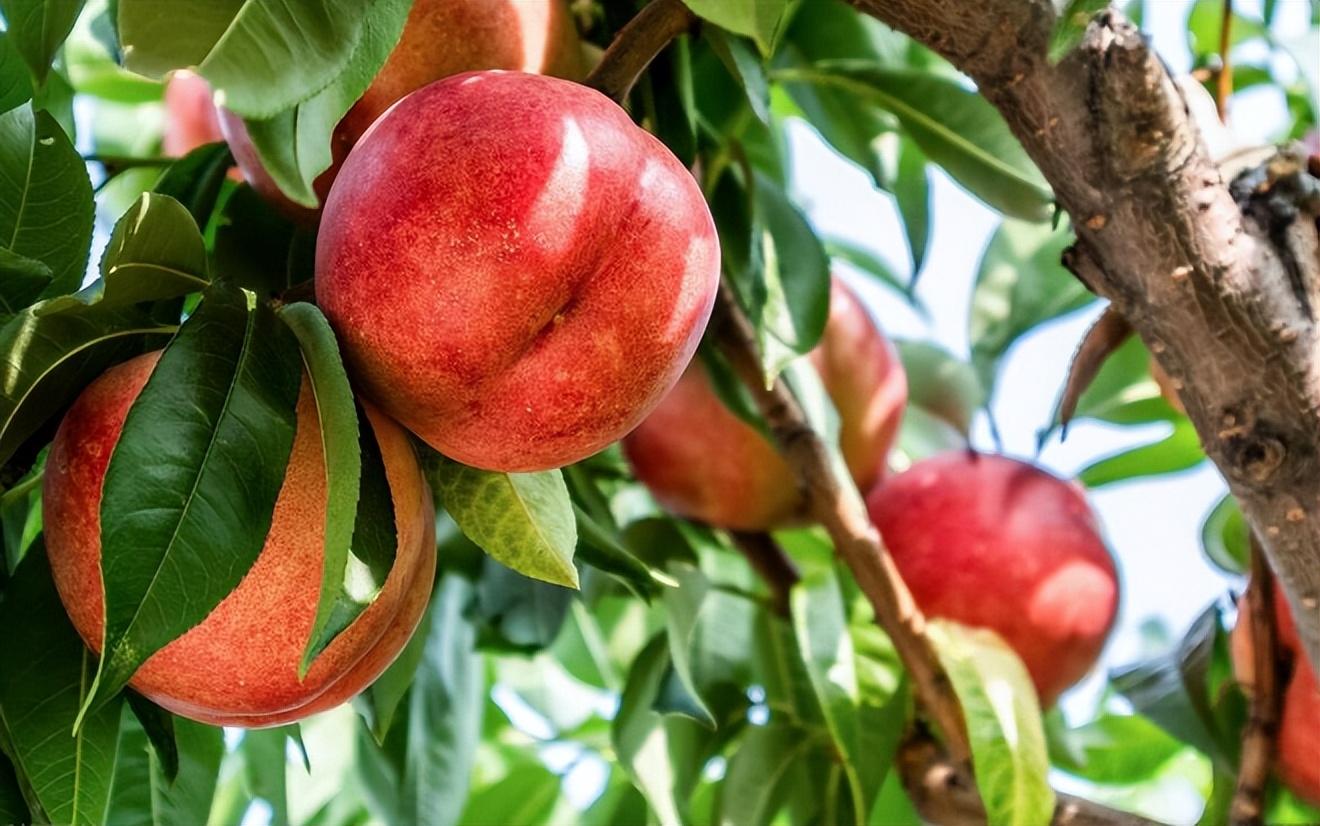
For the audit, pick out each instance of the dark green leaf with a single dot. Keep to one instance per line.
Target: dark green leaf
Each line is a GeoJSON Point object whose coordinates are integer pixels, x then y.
{"type": "Point", "coordinates": [252, 242]}
{"type": "Point", "coordinates": [955, 127]}
{"type": "Point", "coordinates": [303, 46]}
{"type": "Point", "coordinates": [295, 143]}
{"type": "Point", "coordinates": [1003, 723]}
{"type": "Point", "coordinates": [13, 809]}
{"type": "Point", "coordinates": [337, 413]}
{"type": "Point", "coordinates": [155, 252]}
{"type": "Point", "coordinates": [912, 195]}
{"type": "Point", "coordinates": [789, 296]}
{"type": "Point", "coordinates": [761, 20]}
{"type": "Point", "coordinates": [600, 548]}
{"type": "Point", "coordinates": [1226, 538]}
{"type": "Point", "coordinates": [15, 82]}
{"type": "Point", "coordinates": [45, 679]}
{"type": "Point", "coordinates": [871, 264]}
{"type": "Point", "coordinates": [524, 520]}
{"type": "Point", "coordinates": [22, 279]}
{"type": "Point", "coordinates": [745, 65]}
{"type": "Point", "coordinates": [379, 703]}
{"type": "Point", "coordinates": [130, 793]}
{"type": "Point", "coordinates": [214, 426]}
{"type": "Point", "coordinates": [753, 786]}
{"type": "Point", "coordinates": [45, 197]}
{"type": "Point", "coordinates": [38, 28]}
{"type": "Point", "coordinates": [188, 797]}
{"type": "Point", "coordinates": [682, 608]}
{"type": "Point", "coordinates": [47, 360]}
{"type": "Point", "coordinates": [1020, 283]}
{"type": "Point", "coordinates": [518, 613]}
{"type": "Point", "coordinates": [158, 725]}
{"type": "Point", "coordinates": [196, 179]}
{"type": "Point", "coordinates": [1180, 450]}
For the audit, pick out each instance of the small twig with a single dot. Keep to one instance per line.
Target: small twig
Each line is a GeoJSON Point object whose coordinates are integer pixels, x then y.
{"type": "Point", "coordinates": [1224, 82]}
{"type": "Point", "coordinates": [840, 510]}
{"type": "Point", "coordinates": [637, 44]}
{"type": "Point", "coordinates": [945, 794]}
{"type": "Point", "coordinates": [771, 563]}
{"type": "Point", "coordinates": [1105, 336]}
{"type": "Point", "coordinates": [1262, 729]}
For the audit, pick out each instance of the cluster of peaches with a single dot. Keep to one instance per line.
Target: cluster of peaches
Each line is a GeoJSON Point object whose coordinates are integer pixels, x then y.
{"type": "Point", "coordinates": [519, 276]}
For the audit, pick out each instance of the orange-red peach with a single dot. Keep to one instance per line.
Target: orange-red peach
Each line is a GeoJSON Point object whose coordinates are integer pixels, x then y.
{"type": "Point", "coordinates": [239, 666]}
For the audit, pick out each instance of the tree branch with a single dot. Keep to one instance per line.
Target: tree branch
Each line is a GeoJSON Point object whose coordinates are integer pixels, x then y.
{"type": "Point", "coordinates": [1225, 298]}
{"type": "Point", "coordinates": [840, 510]}
{"type": "Point", "coordinates": [637, 44]}
{"type": "Point", "coordinates": [771, 564]}
{"type": "Point", "coordinates": [945, 795]}
{"type": "Point", "coordinates": [1262, 729]}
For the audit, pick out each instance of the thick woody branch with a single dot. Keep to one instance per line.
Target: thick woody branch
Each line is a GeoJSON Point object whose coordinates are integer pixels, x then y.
{"type": "Point", "coordinates": [1225, 296]}
{"type": "Point", "coordinates": [840, 510]}
{"type": "Point", "coordinates": [944, 794]}
{"type": "Point", "coordinates": [1260, 735]}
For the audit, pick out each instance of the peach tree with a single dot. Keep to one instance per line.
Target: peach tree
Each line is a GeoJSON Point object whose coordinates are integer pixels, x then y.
{"type": "Point", "coordinates": [444, 412]}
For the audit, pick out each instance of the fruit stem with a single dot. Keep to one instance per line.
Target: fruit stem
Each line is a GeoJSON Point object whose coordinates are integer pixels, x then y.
{"type": "Point", "coordinates": [636, 45]}
{"type": "Point", "coordinates": [839, 508]}
{"type": "Point", "coordinates": [771, 564]}
{"type": "Point", "coordinates": [1262, 729]}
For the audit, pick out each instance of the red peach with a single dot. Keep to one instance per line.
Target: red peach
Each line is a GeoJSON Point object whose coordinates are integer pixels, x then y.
{"type": "Point", "coordinates": [994, 543]}
{"type": "Point", "coordinates": [239, 666]}
{"type": "Point", "coordinates": [701, 461]}
{"type": "Point", "coordinates": [440, 38]}
{"type": "Point", "coordinates": [190, 115]}
{"type": "Point", "coordinates": [516, 272]}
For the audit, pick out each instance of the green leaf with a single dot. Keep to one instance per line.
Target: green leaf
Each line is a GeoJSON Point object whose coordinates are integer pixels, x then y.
{"type": "Point", "coordinates": [752, 786]}
{"type": "Point", "coordinates": [1071, 25]}
{"type": "Point", "coordinates": [444, 713]}
{"type": "Point", "coordinates": [912, 195]}
{"type": "Point", "coordinates": [873, 265]}
{"type": "Point", "coordinates": [264, 755]}
{"type": "Point", "coordinates": [518, 613]}
{"type": "Point", "coordinates": [295, 144]}
{"type": "Point", "coordinates": [303, 47]}
{"type": "Point", "coordinates": [1204, 22]}
{"type": "Point", "coordinates": [1226, 538]}
{"type": "Point", "coordinates": [45, 197]}
{"type": "Point", "coordinates": [21, 280]}
{"type": "Point", "coordinates": [155, 252]}
{"type": "Point", "coordinates": [1020, 284]}
{"type": "Point", "coordinates": [790, 295]}
{"type": "Point", "coordinates": [1180, 450]}
{"type": "Point", "coordinates": [223, 392]}
{"type": "Point", "coordinates": [13, 809]}
{"type": "Point", "coordinates": [1003, 723]}
{"type": "Point", "coordinates": [955, 127]}
{"type": "Point", "coordinates": [46, 677]}
{"type": "Point", "coordinates": [38, 28]}
{"type": "Point", "coordinates": [761, 20]}
{"type": "Point", "coordinates": [941, 384]}
{"type": "Point", "coordinates": [158, 725]}
{"type": "Point", "coordinates": [852, 696]}
{"type": "Point", "coordinates": [1190, 692]}
{"type": "Point", "coordinates": [601, 549]}
{"type": "Point", "coordinates": [46, 360]}
{"type": "Point", "coordinates": [524, 520]}
{"type": "Point", "coordinates": [380, 702]}
{"type": "Point", "coordinates": [682, 609]}
{"type": "Point", "coordinates": [746, 67]}
{"type": "Point", "coordinates": [641, 739]}
{"type": "Point", "coordinates": [196, 180]}
{"type": "Point", "coordinates": [188, 797]}
{"type": "Point", "coordinates": [1112, 749]}
{"type": "Point", "coordinates": [15, 82]}
{"type": "Point", "coordinates": [338, 417]}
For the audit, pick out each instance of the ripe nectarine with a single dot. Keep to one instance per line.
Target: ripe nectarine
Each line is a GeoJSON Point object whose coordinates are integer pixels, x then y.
{"type": "Point", "coordinates": [994, 543]}
{"type": "Point", "coordinates": [190, 115]}
{"type": "Point", "coordinates": [701, 461]}
{"type": "Point", "coordinates": [516, 272]}
{"type": "Point", "coordinates": [239, 666]}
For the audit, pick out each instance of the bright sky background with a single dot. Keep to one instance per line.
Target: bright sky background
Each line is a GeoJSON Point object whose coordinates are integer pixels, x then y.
{"type": "Point", "coordinates": [1153, 525]}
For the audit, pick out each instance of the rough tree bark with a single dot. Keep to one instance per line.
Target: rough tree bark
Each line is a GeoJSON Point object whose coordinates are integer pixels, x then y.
{"type": "Point", "coordinates": [1226, 297]}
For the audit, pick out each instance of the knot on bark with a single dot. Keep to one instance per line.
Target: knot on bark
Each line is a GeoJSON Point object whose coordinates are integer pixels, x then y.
{"type": "Point", "coordinates": [1253, 451]}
